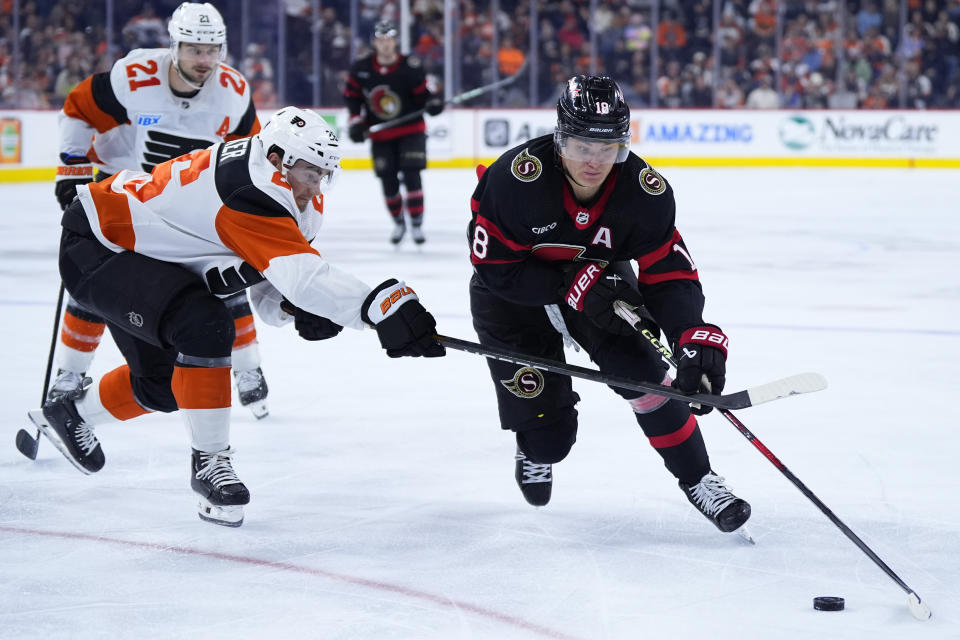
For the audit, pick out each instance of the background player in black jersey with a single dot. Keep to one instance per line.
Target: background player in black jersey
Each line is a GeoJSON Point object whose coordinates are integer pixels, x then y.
{"type": "Point", "coordinates": [385, 86]}
{"type": "Point", "coordinates": [554, 221]}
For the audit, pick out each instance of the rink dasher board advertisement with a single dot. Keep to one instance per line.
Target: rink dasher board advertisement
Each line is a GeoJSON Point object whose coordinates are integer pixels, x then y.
{"type": "Point", "coordinates": [466, 137]}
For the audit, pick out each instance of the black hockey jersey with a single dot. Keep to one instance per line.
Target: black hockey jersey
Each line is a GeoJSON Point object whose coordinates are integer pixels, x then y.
{"type": "Point", "coordinates": [527, 228]}
{"type": "Point", "coordinates": [382, 93]}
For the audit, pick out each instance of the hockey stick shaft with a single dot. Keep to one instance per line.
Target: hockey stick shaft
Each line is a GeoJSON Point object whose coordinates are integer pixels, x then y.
{"type": "Point", "coordinates": [457, 99]}
{"type": "Point", "coordinates": [738, 400]}
{"type": "Point", "coordinates": [25, 444]}
{"type": "Point", "coordinates": [628, 314]}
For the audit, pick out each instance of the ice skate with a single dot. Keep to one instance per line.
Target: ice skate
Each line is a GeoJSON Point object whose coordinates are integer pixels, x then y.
{"type": "Point", "coordinates": [222, 495]}
{"type": "Point", "coordinates": [717, 503]}
{"type": "Point", "coordinates": [535, 480]}
{"type": "Point", "coordinates": [252, 391]}
{"type": "Point", "coordinates": [399, 229]}
{"type": "Point", "coordinates": [64, 383]}
{"type": "Point", "coordinates": [60, 422]}
{"type": "Point", "coordinates": [416, 232]}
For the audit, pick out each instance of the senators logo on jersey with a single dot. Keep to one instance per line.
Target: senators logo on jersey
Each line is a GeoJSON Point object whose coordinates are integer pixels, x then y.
{"type": "Point", "coordinates": [526, 383]}
{"type": "Point", "coordinates": [525, 167]}
{"type": "Point", "coordinates": [384, 102]}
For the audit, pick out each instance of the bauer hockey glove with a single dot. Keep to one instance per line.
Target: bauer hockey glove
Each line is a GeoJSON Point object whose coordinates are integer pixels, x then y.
{"type": "Point", "coordinates": [701, 351]}
{"type": "Point", "coordinates": [72, 172]}
{"type": "Point", "coordinates": [310, 326]}
{"type": "Point", "coordinates": [434, 106]}
{"type": "Point", "coordinates": [593, 290]}
{"type": "Point", "coordinates": [404, 327]}
{"type": "Point", "coordinates": [356, 129]}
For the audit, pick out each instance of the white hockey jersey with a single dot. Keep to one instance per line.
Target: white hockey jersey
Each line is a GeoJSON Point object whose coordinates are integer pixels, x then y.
{"type": "Point", "coordinates": [136, 122]}
{"type": "Point", "coordinates": [226, 214]}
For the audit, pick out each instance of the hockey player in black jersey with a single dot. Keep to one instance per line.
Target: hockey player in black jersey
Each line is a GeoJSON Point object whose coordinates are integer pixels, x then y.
{"type": "Point", "coordinates": [385, 86]}
{"type": "Point", "coordinates": [555, 221]}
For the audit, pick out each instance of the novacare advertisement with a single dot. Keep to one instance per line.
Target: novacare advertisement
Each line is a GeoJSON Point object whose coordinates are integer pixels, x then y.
{"type": "Point", "coordinates": [466, 137]}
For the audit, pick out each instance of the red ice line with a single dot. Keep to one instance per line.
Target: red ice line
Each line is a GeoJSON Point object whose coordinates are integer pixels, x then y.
{"type": "Point", "coordinates": [372, 584]}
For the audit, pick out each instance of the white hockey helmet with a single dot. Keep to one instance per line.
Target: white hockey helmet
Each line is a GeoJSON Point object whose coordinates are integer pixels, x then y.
{"type": "Point", "coordinates": [197, 23]}
{"type": "Point", "coordinates": [302, 134]}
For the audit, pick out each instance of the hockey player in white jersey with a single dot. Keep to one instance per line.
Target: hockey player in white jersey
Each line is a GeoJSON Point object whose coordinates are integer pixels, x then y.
{"type": "Point", "coordinates": [152, 106]}
{"type": "Point", "coordinates": [150, 252]}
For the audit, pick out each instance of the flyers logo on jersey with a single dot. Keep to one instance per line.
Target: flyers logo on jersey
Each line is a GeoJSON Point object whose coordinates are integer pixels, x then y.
{"type": "Point", "coordinates": [527, 382]}
{"type": "Point", "coordinates": [525, 167]}
{"type": "Point", "coordinates": [384, 102]}
{"type": "Point", "coordinates": [651, 182]}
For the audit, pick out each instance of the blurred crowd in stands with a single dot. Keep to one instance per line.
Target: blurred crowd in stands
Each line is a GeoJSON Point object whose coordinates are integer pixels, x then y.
{"type": "Point", "coordinates": [869, 54]}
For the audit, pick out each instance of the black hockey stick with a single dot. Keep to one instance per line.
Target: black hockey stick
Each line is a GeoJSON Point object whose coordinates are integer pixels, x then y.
{"type": "Point", "coordinates": [919, 610]}
{"type": "Point", "coordinates": [26, 444]}
{"type": "Point", "coordinates": [457, 99]}
{"type": "Point", "coordinates": [802, 383]}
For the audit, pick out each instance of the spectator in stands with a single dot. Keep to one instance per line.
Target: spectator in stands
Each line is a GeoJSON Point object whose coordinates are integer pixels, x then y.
{"type": "Point", "coordinates": [672, 38]}
{"type": "Point", "coordinates": [146, 30]}
{"type": "Point", "coordinates": [763, 96]}
{"type": "Point", "coordinates": [510, 58]}
{"type": "Point", "coordinates": [730, 96]}
{"type": "Point", "coordinates": [868, 18]}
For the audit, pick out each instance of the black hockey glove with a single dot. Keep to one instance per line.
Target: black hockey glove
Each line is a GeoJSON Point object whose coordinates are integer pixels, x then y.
{"type": "Point", "coordinates": [701, 351]}
{"type": "Point", "coordinates": [72, 172]}
{"type": "Point", "coordinates": [434, 106]}
{"type": "Point", "coordinates": [357, 130]}
{"type": "Point", "coordinates": [309, 325]}
{"type": "Point", "coordinates": [404, 327]}
{"type": "Point", "coordinates": [593, 290]}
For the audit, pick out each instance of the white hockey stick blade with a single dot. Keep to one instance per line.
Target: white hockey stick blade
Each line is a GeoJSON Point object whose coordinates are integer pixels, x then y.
{"type": "Point", "coordinates": [790, 386]}
{"type": "Point", "coordinates": [919, 610]}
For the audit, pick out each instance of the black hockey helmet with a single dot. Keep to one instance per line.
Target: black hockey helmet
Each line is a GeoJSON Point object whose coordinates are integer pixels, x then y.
{"type": "Point", "coordinates": [385, 29]}
{"type": "Point", "coordinates": [592, 109]}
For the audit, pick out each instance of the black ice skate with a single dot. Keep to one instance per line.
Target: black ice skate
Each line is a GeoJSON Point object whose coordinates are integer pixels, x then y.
{"type": "Point", "coordinates": [399, 229]}
{"type": "Point", "coordinates": [222, 495]}
{"type": "Point", "coordinates": [60, 422]}
{"type": "Point", "coordinates": [715, 501]}
{"type": "Point", "coordinates": [535, 480]}
{"type": "Point", "coordinates": [65, 382]}
{"type": "Point", "coordinates": [252, 390]}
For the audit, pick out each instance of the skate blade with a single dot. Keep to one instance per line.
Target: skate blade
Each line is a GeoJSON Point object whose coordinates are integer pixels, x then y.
{"type": "Point", "coordinates": [744, 534]}
{"type": "Point", "coordinates": [227, 516]}
{"type": "Point", "coordinates": [259, 409]}
{"type": "Point", "coordinates": [40, 421]}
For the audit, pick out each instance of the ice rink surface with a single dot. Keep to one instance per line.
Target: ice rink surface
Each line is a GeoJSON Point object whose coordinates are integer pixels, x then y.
{"type": "Point", "coordinates": [384, 504]}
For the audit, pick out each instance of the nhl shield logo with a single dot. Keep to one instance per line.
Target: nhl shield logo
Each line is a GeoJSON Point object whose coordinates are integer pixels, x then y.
{"type": "Point", "coordinates": [135, 319]}
{"type": "Point", "coordinates": [526, 383]}
{"type": "Point", "coordinates": [583, 217]}
{"type": "Point", "coordinates": [525, 167]}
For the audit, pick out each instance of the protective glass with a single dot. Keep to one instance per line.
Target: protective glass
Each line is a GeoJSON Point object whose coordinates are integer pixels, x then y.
{"type": "Point", "coordinates": [580, 149]}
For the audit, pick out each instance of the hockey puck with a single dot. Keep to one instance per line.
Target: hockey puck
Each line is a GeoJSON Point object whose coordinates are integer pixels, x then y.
{"type": "Point", "coordinates": [828, 603]}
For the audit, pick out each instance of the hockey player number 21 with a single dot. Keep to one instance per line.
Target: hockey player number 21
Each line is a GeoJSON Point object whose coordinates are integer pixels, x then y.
{"type": "Point", "coordinates": [151, 186]}
{"type": "Point", "coordinates": [232, 78]}
{"type": "Point", "coordinates": [149, 69]}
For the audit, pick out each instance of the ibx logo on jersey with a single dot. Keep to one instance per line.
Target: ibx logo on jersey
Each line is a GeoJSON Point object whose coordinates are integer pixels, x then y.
{"type": "Point", "coordinates": [525, 167]}
{"type": "Point", "coordinates": [526, 383]}
{"type": "Point", "coordinates": [147, 119]}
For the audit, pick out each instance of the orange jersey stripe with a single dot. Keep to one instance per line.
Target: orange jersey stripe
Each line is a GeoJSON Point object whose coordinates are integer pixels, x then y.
{"type": "Point", "coordinates": [201, 388]}
{"type": "Point", "coordinates": [116, 395]}
{"type": "Point", "coordinates": [81, 105]}
{"type": "Point", "coordinates": [260, 239]}
{"type": "Point", "coordinates": [113, 211]}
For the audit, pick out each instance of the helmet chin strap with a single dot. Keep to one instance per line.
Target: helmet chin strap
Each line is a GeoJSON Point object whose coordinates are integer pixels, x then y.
{"type": "Point", "coordinates": [570, 175]}
{"type": "Point", "coordinates": [183, 77]}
